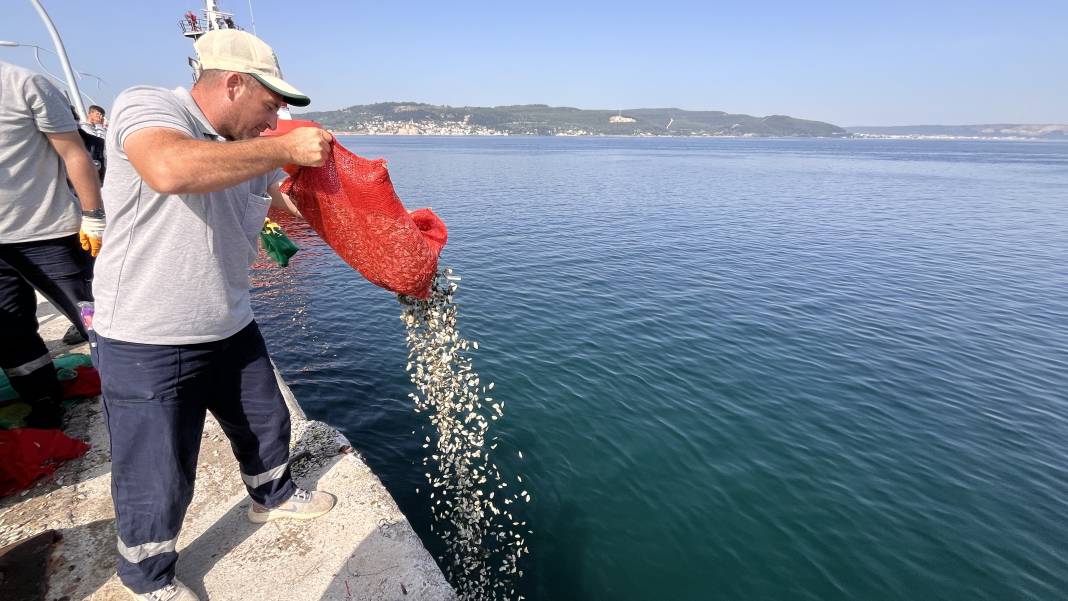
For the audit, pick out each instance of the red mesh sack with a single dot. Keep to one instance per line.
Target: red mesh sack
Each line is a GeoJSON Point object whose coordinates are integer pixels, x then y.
{"type": "Point", "coordinates": [27, 454]}
{"type": "Point", "coordinates": [86, 385]}
{"type": "Point", "coordinates": [350, 202]}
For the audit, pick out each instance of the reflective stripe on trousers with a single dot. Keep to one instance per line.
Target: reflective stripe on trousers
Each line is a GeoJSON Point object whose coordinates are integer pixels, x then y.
{"type": "Point", "coordinates": [139, 553]}
{"type": "Point", "coordinates": [260, 479]}
{"type": "Point", "coordinates": [28, 368]}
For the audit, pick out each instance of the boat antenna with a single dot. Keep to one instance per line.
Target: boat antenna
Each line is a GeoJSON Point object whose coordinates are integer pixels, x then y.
{"type": "Point", "coordinates": [251, 17]}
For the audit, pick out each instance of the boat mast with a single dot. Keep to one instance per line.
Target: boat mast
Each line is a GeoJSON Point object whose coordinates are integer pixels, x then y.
{"type": "Point", "coordinates": [61, 51]}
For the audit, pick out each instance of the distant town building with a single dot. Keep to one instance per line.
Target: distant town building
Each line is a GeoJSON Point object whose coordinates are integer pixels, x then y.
{"type": "Point", "coordinates": [621, 119]}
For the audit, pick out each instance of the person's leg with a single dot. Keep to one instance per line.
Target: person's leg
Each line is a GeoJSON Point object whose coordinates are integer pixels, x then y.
{"type": "Point", "coordinates": [154, 400]}
{"type": "Point", "coordinates": [23, 354]}
{"type": "Point", "coordinates": [252, 412]}
{"type": "Point", "coordinates": [60, 269]}
{"type": "Point", "coordinates": [250, 408]}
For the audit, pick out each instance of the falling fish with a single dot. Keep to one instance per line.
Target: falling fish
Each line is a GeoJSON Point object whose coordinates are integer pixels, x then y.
{"type": "Point", "coordinates": [467, 485]}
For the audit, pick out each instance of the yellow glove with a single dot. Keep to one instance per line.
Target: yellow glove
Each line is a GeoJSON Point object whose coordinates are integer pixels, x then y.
{"type": "Point", "coordinates": [270, 226]}
{"type": "Point", "coordinates": [92, 234]}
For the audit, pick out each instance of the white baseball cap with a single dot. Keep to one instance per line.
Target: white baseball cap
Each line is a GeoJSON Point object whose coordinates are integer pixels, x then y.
{"type": "Point", "coordinates": [240, 51]}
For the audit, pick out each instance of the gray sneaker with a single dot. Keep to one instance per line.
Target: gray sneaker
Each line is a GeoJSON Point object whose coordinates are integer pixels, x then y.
{"type": "Point", "coordinates": [175, 591]}
{"type": "Point", "coordinates": [303, 505]}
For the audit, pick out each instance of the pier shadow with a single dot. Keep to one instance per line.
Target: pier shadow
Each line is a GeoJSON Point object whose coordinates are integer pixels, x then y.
{"type": "Point", "coordinates": [217, 541]}
{"type": "Point", "coordinates": [233, 528]}
{"type": "Point", "coordinates": [372, 570]}
{"type": "Point", "coordinates": [84, 560]}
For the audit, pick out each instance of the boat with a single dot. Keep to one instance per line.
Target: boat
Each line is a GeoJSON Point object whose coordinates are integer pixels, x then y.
{"type": "Point", "coordinates": [213, 18]}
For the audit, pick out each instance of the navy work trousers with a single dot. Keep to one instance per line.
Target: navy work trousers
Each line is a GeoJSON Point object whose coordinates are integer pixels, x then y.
{"type": "Point", "coordinates": [62, 271]}
{"type": "Point", "coordinates": [156, 398]}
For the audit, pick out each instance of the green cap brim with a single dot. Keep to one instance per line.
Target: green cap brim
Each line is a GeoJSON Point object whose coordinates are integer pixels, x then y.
{"type": "Point", "coordinates": [290, 95]}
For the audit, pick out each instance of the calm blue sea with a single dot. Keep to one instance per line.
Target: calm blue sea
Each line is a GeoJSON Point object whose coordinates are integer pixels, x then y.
{"type": "Point", "coordinates": [751, 370]}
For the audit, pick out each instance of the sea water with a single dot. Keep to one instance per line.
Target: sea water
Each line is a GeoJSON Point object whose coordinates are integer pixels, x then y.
{"type": "Point", "coordinates": [735, 369]}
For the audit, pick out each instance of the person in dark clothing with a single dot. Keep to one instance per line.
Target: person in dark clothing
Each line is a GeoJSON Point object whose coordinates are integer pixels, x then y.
{"type": "Point", "coordinates": [92, 133]}
{"type": "Point", "coordinates": [40, 218]}
{"type": "Point", "coordinates": [95, 147]}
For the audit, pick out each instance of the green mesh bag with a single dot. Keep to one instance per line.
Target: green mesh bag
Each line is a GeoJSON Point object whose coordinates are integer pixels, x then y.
{"type": "Point", "coordinates": [276, 244]}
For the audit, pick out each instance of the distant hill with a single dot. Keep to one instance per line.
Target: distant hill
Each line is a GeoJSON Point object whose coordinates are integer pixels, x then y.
{"type": "Point", "coordinates": [1008, 131]}
{"type": "Point", "coordinates": [544, 120]}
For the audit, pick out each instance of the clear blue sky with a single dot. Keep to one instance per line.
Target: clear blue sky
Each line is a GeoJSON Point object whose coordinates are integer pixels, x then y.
{"type": "Point", "coordinates": [849, 63]}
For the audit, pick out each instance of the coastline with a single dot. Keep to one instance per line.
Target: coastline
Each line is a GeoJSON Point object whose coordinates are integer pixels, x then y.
{"type": "Point", "coordinates": [858, 136]}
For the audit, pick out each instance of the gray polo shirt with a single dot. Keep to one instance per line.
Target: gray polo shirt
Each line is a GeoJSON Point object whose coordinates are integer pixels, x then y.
{"type": "Point", "coordinates": [35, 201]}
{"type": "Point", "coordinates": [173, 269]}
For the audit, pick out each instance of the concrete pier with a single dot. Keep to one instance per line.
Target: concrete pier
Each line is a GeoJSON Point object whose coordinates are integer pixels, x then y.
{"type": "Point", "coordinates": [364, 549]}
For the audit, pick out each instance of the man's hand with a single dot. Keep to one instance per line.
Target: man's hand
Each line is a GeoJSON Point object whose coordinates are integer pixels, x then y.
{"type": "Point", "coordinates": [92, 234]}
{"type": "Point", "coordinates": [308, 146]}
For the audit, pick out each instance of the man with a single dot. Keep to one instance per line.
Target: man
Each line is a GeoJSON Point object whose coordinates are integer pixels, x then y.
{"type": "Point", "coordinates": [188, 187]}
{"type": "Point", "coordinates": [95, 121]}
{"type": "Point", "coordinates": [93, 132]}
{"type": "Point", "coordinates": [40, 219]}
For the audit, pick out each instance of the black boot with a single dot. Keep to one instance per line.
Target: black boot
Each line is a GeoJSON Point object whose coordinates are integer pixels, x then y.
{"type": "Point", "coordinates": [45, 414]}
{"type": "Point", "coordinates": [73, 336]}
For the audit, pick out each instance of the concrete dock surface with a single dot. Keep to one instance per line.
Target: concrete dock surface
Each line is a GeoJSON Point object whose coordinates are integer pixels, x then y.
{"type": "Point", "coordinates": [364, 549]}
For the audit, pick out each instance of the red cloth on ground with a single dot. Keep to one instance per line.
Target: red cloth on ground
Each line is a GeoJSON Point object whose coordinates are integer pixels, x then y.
{"type": "Point", "coordinates": [350, 202]}
{"type": "Point", "coordinates": [87, 384]}
{"type": "Point", "coordinates": [27, 454]}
